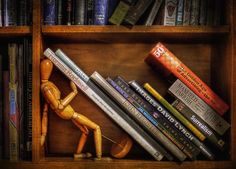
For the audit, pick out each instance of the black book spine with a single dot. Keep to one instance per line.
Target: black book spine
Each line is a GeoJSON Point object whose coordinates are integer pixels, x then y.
{"type": "Point", "coordinates": [205, 150]}
{"type": "Point", "coordinates": [22, 12]}
{"type": "Point", "coordinates": [90, 12]}
{"type": "Point", "coordinates": [69, 12]}
{"type": "Point", "coordinates": [136, 11]}
{"type": "Point", "coordinates": [80, 12]}
{"type": "Point", "coordinates": [59, 12]}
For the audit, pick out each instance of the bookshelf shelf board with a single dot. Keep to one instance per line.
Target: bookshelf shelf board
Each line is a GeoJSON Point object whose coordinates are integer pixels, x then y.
{"type": "Point", "coordinates": [15, 31]}
{"type": "Point", "coordinates": [112, 32]}
{"type": "Point", "coordinates": [115, 164]}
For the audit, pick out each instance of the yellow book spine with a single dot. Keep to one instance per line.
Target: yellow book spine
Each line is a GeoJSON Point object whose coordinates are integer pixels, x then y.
{"type": "Point", "coordinates": [177, 114]}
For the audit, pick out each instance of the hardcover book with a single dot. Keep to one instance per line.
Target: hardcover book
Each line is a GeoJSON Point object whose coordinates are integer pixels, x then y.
{"type": "Point", "coordinates": [155, 8]}
{"type": "Point", "coordinates": [100, 12]}
{"type": "Point", "coordinates": [49, 17]}
{"type": "Point", "coordinates": [180, 12]}
{"type": "Point", "coordinates": [80, 12]}
{"type": "Point", "coordinates": [194, 18]}
{"type": "Point", "coordinates": [203, 12]}
{"type": "Point", "coordinates": [187, 12]}
{"type": "Point", "coordinates": [136, 11]}
{"type": "Point", "coordinates": [9, 13]}
{"type": "Point", "coordinates": [90, 12]}
{"type": "Point", "coordinates": [161, 58]}
{"type": "Point", "coordinates": [119, 13]}
{"type": "Point", "coordinates": [75, 74]}
{"type": "Point", "coordinates": [170, 12]}
{"type": "Point", "coordinates": [198, 106]}
{"type": "Point", "coordinates": [204, 150]}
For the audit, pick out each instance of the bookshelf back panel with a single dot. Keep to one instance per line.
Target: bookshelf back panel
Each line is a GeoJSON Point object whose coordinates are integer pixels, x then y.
{"type": "Point", "coordinates": [111, 59]}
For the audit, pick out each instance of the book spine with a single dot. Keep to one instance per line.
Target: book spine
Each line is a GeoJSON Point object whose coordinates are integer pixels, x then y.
{"type": "Point", "coordinates": [22, 12]}
{"type": "Point", "coordinates": [187, 12]}
{"type": "Point", "coordinates": [59, 12]}
{"type": "Point", "coordinates": [119, 13]}
{"type": "Point", "coordinates": [49, 12]}
{"type": "Point", "coordinates": [68, 12]}
{"type": "Point", "coordinates": [65, 59]}
{"type": "Point", "coordinates": [155, 8]}
{"type": "Point", "coordinates": [203, 12]}
{"type": "Point", "coordinates": [210, 12]}
{"type": "Point", "coordinates": [205, 151]}
{"type": "Point", "coordinates": [112, 6]}
{"type": "Point", "coordinates": [6, 110]}
{"type": "Point", "coordinates": [80, 12]}
{"type": "Point", "coordinates": [148, 122]}
{"type": "Point", "coordinates": [1, 107]}
{"type": "Point", "coordinates": [197, 105]}
{"type": "Point", "coordinates": [160, 55]}
{"type": "Point", "coordinates": [13, 124]}
{"type": "Point", "coordinates": [100, 12]}
{"type": "Point", "coordinates": [90, 12]}
{"type": "Point", "coordinates": [180, 12]}
{"type": "Point", "coordinates": [20, 99]}
{"type": "Point", "coordinates": [9, 12]}
{"type": "Point", "coordinates": [194, 18]}
{"type": "Point", "coordinates": [29, 12]}
{"type": "Point", "coordinates": [170, 12]}
{"type": "Point", "coordinates": [199, 123]}
{"type": "Point", "coordinates": [109, 108]}
{"type": "Point", "coordinates": [136, 11]}
{"type": "Point", "coordinates": [1, 12]}
{"type": "Point", "coordinates": [217, 12]}
{"type": "Point", "coordinates": [172, 110]}
{"type": "Point", "coordinates": [28, 98]}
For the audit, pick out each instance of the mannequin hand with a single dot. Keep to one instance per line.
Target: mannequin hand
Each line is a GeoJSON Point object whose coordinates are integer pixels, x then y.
{"type": "Point", "coordinates": [73, 87]}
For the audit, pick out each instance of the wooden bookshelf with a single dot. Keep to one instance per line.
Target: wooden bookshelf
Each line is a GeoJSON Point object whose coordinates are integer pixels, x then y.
{"type": "Point", "coordinates": [14, 31]}
{"type": "Point", "coordinates": [119, 50]}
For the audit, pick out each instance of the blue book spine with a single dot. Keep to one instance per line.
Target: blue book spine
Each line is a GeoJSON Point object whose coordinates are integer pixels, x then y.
{"type": "Point", "coordinates": [49, 12]}
{"type": "Point", "coordinates": [180, 11]}
{"type": "Point", "coordinates": [9, 12]}
{"type": "Point", "coordinates": [100, 12]}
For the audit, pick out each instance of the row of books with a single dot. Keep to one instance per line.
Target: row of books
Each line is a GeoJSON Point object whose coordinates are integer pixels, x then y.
{"type": "Point", "coordinates": [16, 100]}
{"type": "Point", "coordinates": [178, 127]}
{"type": "Point", "coordinates": [15, 13]}
{"type": "Point", "coordinates": [133, 12]}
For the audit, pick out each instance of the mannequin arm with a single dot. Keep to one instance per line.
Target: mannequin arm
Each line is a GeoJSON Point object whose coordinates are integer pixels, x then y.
{"type": "Point", "coordinates": [49, 96]}
{"type": "Point", "coordinates": [44, 123]}
{"type": "Point", "coordinates": [70, 96]}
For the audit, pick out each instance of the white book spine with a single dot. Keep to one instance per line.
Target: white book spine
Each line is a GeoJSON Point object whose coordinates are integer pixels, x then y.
{"type": "Point", "coordinates": [102, 104]}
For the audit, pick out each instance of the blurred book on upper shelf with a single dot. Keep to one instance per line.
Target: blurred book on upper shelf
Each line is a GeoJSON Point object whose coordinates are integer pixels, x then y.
{"type": "Point", "coordinates": [133, 12]}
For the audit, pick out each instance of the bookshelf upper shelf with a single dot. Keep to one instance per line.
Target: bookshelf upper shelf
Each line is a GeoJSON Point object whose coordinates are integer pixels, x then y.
{"type": "Point", "coordinates": [111, 32]}
{"type": "Point", "coordinates": [15, 31]}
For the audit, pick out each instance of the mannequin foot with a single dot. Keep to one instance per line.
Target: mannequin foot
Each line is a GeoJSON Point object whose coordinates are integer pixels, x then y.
{"type": "Point", "coordinates": [82, 155]}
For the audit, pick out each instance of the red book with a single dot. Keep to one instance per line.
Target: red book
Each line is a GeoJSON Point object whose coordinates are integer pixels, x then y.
{"type": "Point", "coordinates": [160, 57]}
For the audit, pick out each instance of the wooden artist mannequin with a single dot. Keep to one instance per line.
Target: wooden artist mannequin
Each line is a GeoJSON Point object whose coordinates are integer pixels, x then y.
{"type": "Point", "coordinates": [62, 108]}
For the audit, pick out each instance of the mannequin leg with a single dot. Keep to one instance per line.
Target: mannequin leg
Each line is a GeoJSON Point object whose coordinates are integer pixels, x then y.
{"type": "Point", "coordinates": [84, 121]}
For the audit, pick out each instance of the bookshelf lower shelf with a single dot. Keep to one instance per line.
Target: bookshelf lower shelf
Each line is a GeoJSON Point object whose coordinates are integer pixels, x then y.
{"type": "Point", "coordinates": [68, 163]}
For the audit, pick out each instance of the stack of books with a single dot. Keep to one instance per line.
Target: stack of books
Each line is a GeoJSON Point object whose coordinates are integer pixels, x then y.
{"type": "Point", "coordinates": [177, 127]}
{"type": "Point", "coordinates": [133, 12]}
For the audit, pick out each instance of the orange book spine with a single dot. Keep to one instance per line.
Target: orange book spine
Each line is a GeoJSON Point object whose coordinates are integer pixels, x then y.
{"type": "Point", "coordinates": [160, 56]}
